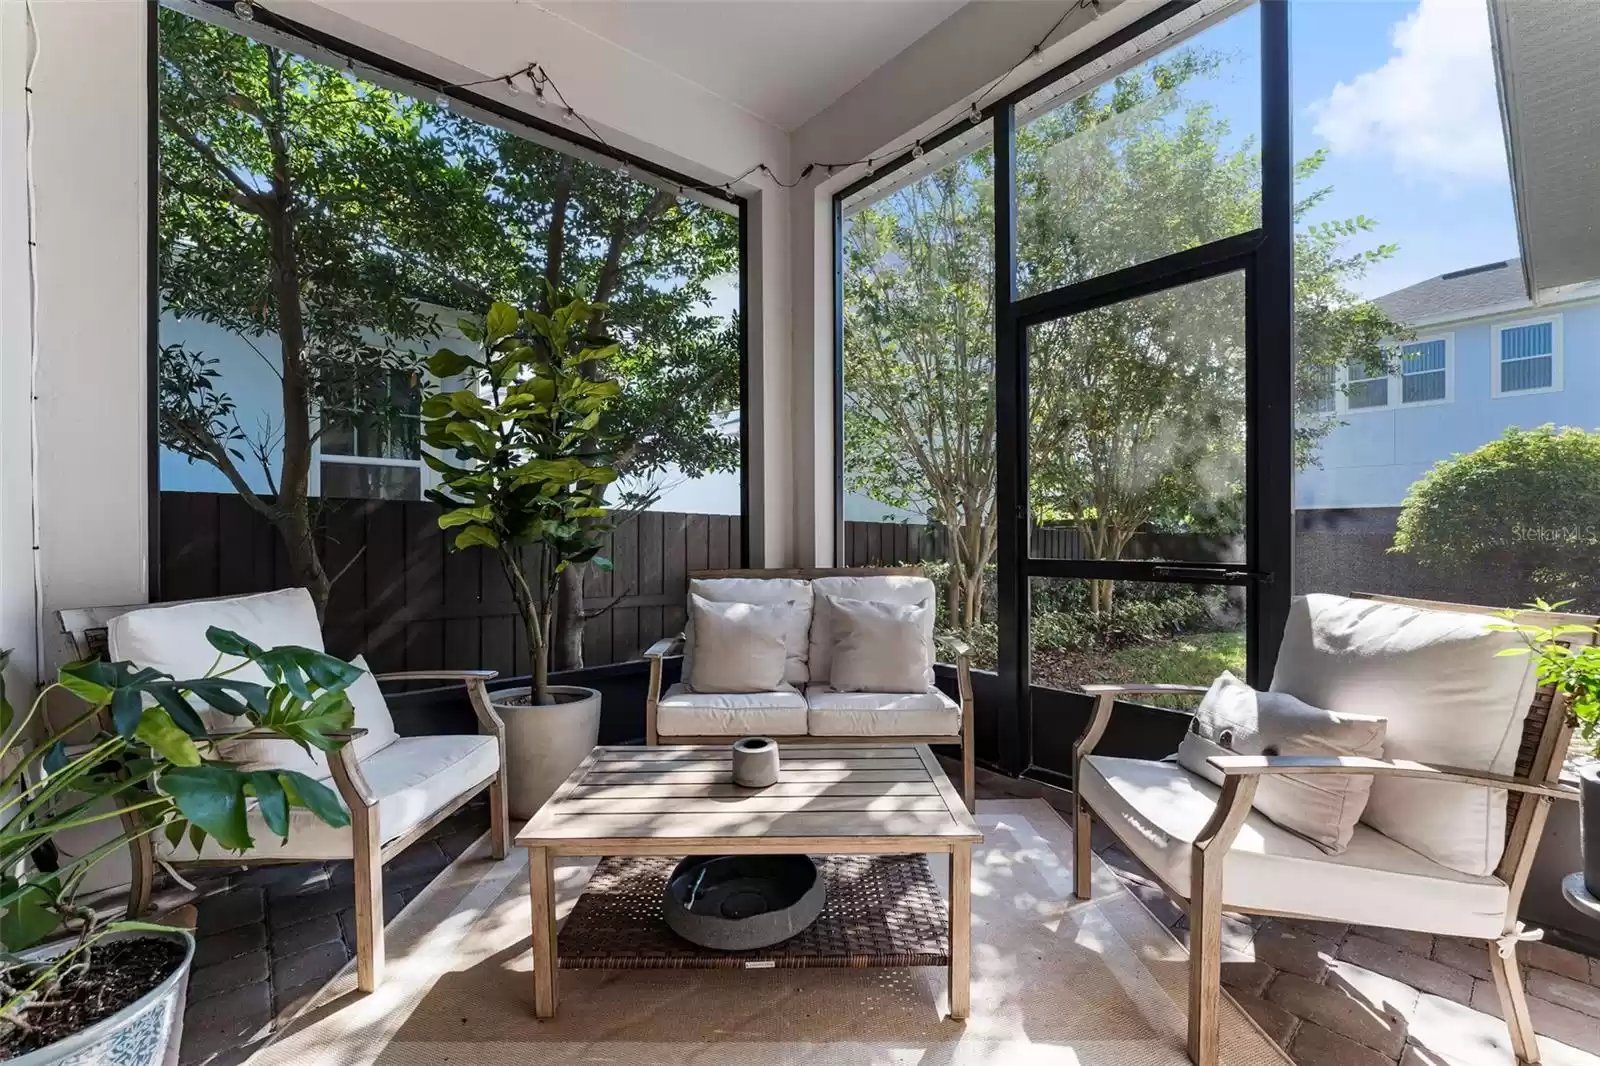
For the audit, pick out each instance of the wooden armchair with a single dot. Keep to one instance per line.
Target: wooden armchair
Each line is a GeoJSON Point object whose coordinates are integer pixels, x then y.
{"type": "Point", "coordinates": [1212, 852]}
{"type": "Point", "coordinates": [397, 788]}
{"type": "Point", "coordinates": [811, 712]}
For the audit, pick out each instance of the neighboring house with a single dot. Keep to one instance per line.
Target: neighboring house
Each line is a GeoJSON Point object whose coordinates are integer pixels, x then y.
{"type": "Point", "coordinates": [1483, 358]}
{"type": "Point", "coordinates": [352, 460]}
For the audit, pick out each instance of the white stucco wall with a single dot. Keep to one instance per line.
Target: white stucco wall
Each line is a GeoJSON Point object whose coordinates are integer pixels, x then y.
{"type": "Point", "coordinates": [89, 416]}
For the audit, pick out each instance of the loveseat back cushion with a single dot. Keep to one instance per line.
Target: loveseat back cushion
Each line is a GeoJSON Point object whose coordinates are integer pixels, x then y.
{"type": "Point", "coordinates": [903, 589]}
{"type": "Point", "coordinates": [741, 645]}
{"type": "Point", "coordinates": [761, 590]}
{"type": "Point", "coordinates": [1448, 698]}
{"type": "Point", "coordinates": [1235, 719]}
{"type": "Point", "coordinates": [879, 647]}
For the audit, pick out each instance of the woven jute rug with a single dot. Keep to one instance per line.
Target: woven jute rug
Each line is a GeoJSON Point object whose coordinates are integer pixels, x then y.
{"type": "Point", "coordinates": [1100, 983]}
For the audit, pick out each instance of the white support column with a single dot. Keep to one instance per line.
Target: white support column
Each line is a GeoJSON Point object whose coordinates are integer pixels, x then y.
{"type": "Point", "coordinates": [90, 166]}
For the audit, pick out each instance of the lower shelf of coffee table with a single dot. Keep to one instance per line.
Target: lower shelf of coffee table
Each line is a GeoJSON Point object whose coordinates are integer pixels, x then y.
{"type": "Point", "coordinates": [881, 911]}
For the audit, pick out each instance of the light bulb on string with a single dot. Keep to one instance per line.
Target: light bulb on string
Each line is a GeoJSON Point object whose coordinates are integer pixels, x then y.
{"type": "Point", "coordinates": [511, 84]}
{"type": "Point", "coordinates": [244, 10]}
{"type": "Point", "coordinates": [568, 115]}
{"type": "Point", "coordinates": [1037, 55]}
{"type": "Point", "coordinates": [624, 172]}
{"type": "Point", "coordinates": [442, 101]}
{"type": "Point", "coordinates": [975, 116]}
{"type": "Point", "coordinates": [916, 150]}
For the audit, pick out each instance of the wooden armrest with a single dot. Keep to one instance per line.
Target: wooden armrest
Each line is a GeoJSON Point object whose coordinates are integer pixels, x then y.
{"type": "Point", "coordinates": [663, 647]}
{"type": "Point", "coordinates": [1257, 765]}
{"type": "Point", "coordinates": [1106, 698]}
{"type": "Point", "coordinates": [439, 675]}
{"type": "Point", "coordinates": [1145, 690]}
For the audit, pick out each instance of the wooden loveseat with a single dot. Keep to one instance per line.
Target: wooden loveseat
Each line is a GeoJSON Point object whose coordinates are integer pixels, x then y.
{"type": "Point", "coordinates": [810, 711]}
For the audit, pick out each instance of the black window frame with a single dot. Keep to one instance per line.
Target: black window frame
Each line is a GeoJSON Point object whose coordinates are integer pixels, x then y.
{"type": "Point", "coordinates": [420, 83]}
{"type": "Point", "coordinates": [1265, 257]}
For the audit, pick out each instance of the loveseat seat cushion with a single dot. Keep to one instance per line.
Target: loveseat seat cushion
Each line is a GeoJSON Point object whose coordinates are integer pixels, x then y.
{"type": "Point", "coordinates": [1450, 700]}
{"type": "Point", "coordinates": [1158, 808]}
{"type": "Point", "coordinates": [681, 713]}
{"type": "Point", "coordinates": [880, 714]}
{"type": "Point", "coordinates": [413, 778]}
{"type": "Point", "coordinates": [766, 592]}
{"type": "Point", "coordinates": [902, 589]}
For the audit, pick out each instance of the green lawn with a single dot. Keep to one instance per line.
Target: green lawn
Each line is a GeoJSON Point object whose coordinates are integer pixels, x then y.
{"type": "Point", "coordinates": [1193, 659]}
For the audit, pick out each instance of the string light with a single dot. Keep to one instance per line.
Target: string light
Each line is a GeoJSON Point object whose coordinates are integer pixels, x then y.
{"type": "Point", "coordinates": [243, 10]}
{"type": "Point", "coordinates": [540, 78]}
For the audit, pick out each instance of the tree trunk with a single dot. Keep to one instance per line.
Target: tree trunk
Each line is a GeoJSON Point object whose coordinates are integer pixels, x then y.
{"type": "Point", "coordinates": [566, 645]}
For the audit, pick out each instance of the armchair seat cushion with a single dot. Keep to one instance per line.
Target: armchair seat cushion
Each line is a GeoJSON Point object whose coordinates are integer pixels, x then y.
{"type": "Point", "coordinates": [1158, 808]}
{"type": "Point", "coordinates": [830, 713]}
{"type": "Point", "coordinates": [681, 713]}
{"type": "Point", "coordinates": [413, 778]}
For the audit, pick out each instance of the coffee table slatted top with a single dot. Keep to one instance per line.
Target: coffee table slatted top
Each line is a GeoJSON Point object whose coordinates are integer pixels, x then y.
{"type": "Point", "coordinates": [682, 800]}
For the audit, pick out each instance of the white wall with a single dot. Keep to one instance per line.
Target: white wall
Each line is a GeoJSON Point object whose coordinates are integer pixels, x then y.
{"type": "Point", "coordinates": [89, 164]}
{"type": "Point", "coordinates": [16, 475]}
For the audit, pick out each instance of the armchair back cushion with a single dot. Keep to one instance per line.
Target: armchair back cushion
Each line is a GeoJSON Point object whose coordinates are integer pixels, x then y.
{"type": "Point", "coordinates": [1449, 700]}
{"type": "Point", "coordinates": [904, 590]}
{"type": "Point", "coordinates": [173, 640]}
{"type": "Point", "coordinates": [767, 592]}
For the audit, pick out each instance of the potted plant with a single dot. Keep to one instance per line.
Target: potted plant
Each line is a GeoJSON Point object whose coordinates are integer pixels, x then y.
{"type": "Point", "coordinates": [1573, 668]}
{"type": "Point", "coordinates": [76, 986]}
{"type": "Point", "coordinates": [531, 457]}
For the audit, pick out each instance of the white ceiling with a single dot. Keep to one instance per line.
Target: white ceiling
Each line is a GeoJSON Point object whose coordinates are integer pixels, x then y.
{"type": "Point", "coordinates": [781, 60]}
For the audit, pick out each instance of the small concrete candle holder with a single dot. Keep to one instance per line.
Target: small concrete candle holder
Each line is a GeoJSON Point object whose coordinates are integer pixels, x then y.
{"type": "Point", "coordinates": [755, 762]}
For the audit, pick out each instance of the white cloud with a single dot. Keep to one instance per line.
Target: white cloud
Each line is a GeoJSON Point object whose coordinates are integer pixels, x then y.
{"type": "Point", "coordinates": [1431, 109]}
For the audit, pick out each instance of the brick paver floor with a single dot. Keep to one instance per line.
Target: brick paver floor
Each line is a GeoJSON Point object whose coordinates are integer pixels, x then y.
{"type": "Point", "coordinates": [1346, 995]}
{"type": "Point", "coordinates": [270, 937]}
{"type": "Point", "coordinates": [1332, 995]}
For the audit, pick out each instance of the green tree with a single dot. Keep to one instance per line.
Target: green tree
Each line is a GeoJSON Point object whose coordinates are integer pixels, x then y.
{"type": "Point", "coordinates": [1135, 410]}
{"type": "Point", "coordinates": [282, 176]}
{"type": "Point", "coordinates": [1527, 503]}
{"type": "Point", "coordinates": [290, 197]}
{"type": "Point", "coordinates": [530, 432]}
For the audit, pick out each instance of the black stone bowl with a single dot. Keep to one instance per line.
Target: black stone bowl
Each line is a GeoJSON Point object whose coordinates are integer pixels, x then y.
{"type": "Point", "coordinates": [741, 902]}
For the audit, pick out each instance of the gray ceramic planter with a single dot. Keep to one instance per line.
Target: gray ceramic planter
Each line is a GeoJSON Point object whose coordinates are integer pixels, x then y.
{"type": "Point", "coordinates": [1589, 834]}
{"type": "Point", "coordinates": [144, 1033]}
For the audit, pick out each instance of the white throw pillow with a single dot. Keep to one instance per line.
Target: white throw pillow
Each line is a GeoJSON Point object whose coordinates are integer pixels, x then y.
{"type": "Point", "coordinates": [879, 647]}
{"type": "Point", "coordinates": [1449, 701]}
{"type": "Point", "coordinates": [739, 647]}
{"type": "Point", "coordinates": [1235, 719]}
{"type": "Point", "coordinates": [791, 592]}
{"type": "Point", "coordinates": [880, 588]}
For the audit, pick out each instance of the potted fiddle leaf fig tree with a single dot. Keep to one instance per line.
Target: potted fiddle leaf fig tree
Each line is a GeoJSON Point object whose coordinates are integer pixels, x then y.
{"type": "Point", "coordinates": [1567, 656]}
{"type": "Point", "coordinates": [523, 454]}
{"type": "Point", "coordinates": [77, 986]}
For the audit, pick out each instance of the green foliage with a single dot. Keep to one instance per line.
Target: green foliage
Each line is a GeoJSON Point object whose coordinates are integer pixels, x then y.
{"type": "Point", "coordinates": [1136, 411]}
{"type": "Point", "coordinates": [1574, 671]}
{"type": "Point", "coordinates": [318, 216]}
{"type": "Point", "coordinates": [1528, 501]}
{"type": "Point", "coordinates": [532, 449]}
{"type": "Point", "coordinates": [138, 750]}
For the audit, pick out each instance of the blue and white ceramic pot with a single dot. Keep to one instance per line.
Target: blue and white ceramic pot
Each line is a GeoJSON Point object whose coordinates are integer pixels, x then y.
{"type": "Point", "coordinates": [144, 1033]}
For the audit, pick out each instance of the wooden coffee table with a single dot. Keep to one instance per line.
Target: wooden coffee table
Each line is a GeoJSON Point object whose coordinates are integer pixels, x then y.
{"type": "Point", "coordinates": [673, 801]}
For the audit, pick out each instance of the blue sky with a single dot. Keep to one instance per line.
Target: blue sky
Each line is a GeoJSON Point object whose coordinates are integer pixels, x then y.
{"type": "Point", "coordinates": [1402, 95]}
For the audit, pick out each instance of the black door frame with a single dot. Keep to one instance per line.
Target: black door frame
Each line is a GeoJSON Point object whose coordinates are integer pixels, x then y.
{"type": "Point", "coordinates": [1265, 257]}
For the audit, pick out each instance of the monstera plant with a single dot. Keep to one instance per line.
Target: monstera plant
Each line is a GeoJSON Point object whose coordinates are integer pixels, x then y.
{"type": "Point", "coordinates": [523, 454]}
{"type": "Point", "coordinates": [135, 753]}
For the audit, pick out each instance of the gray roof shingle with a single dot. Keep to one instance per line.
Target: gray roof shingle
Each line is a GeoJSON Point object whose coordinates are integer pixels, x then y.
{"type": "Point", "coordinates": [1458, 293]}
